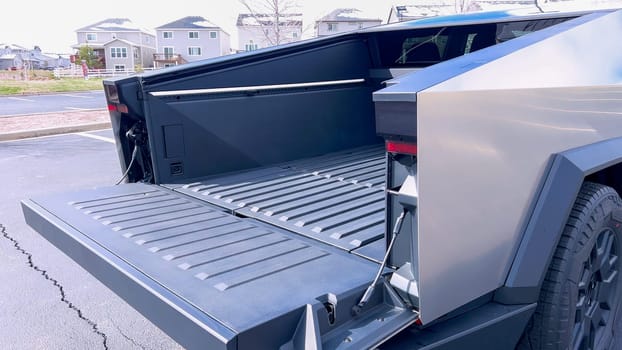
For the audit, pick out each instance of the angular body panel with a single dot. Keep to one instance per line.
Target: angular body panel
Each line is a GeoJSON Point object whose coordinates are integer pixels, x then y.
{"type": "Point", "coordinates": [482, 158]}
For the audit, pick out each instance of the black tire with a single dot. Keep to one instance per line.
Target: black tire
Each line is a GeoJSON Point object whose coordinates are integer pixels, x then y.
{"type": "Point", "coordinates": [580, 295]}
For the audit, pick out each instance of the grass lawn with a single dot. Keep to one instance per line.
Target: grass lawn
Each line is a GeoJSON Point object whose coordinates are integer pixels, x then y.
{"type": "Point", "coordinates": [18, 87]}
{"type": "Point", "coordinates": [43, 81]}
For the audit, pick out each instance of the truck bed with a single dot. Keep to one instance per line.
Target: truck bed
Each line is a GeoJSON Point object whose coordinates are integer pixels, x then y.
{"type": "Point", "coordinates": [231, 270]}
{"type": "Point", "coordinates": [337, 198]}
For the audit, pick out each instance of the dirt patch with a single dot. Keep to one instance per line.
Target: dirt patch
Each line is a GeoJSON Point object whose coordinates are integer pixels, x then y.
{"type": "Point", "coordinates": [52, 120]}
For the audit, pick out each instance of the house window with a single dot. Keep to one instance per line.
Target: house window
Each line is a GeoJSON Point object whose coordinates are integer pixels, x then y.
{"type": "Point", "coordinates": [193, 35]}
{"type": "Point", "coordinates": [136, 53]}
{"type": "Point", "coordinates": [167, 35]}
{"type": "Point", "coordinates": [251, 46]}
{"type": "Point", "coordinates": [294, 34]}
{"type": "Point", "coordinates": [119, 67]}
{"type": "Point", "coordinates": [169, 51]}
{"type": "Point", "coordinates": [118, 52]}
{"type": "Point", "coordinates": [194, 51]}
{"type": "Point", "coordinates": [332, 27]}
{"type": "Point", "coordinates": [91, 37]}
{"type": "Point", "coordinates": [213, 35]}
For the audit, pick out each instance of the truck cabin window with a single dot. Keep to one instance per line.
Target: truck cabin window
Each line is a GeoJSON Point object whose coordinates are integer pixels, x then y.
{"type": "Point", "coordinates": [427, 46]}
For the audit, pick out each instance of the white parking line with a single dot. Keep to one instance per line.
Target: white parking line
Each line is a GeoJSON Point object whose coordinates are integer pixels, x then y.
{"type": "Point", "coordinates": [96, 137]}
{"type": "Point", "coordinates": [76, 96]}
{"type": "Point", "coordinates": [21, 99]}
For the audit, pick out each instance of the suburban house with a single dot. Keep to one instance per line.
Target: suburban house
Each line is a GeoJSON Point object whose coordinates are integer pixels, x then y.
{"type": "Point", "coordinates": [189, 39]}
{"type": "Point", "coordinates": [39, 60]}
{"type": "Point", "coordinates": [256, 31]}
{"type": "Point", "coordinates": [17, 57]}
{"type": "Point", "coordinates": [344, 20]}
{"type": "Point", "coordinates": [11, 56]}
{"type": "Point", "coordinates": [423, 8]}
{"type": "Point", "coordinates": [496, 5]}
{"type": "Point", "coordinates": [10, 61]}
{"type": "Point", "coordinates": [119, 43]}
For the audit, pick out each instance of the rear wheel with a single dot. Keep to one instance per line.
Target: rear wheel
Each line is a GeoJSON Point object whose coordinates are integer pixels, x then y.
{"type": "Point", "coordinates": [580, 295]}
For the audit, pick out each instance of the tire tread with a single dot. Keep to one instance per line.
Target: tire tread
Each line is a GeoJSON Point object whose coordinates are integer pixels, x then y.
{"type": "Point", "coordinates": [549, 325]}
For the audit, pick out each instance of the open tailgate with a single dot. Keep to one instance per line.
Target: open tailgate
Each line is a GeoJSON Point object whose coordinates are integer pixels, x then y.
{"type": "Point", "coordinates": [213, 280]}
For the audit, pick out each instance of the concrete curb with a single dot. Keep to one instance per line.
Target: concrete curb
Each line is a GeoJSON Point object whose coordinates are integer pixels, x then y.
{"type": "Point", "coordinates": [17, 135]}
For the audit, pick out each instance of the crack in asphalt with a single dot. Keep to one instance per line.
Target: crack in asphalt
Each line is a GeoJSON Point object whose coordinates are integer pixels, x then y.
{"type": "Point", "coordinates": [130, 339]}
{"type": "Point", "coordinates": [56, 284]}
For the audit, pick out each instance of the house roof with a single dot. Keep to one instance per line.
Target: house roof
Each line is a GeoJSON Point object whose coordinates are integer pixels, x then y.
{"type": "Point", "coordinates": [131, 43]}
{"type": "Point", "coordinates": [406, 12]}
{"type": "Point", "coordinates": [103, 45]}
{"type": "Point", "coordinates": [93, 45]}
{"type": "Point", "coordinates": [349, 15]}
{"type": "Point", "coordinates": [414, 9]}
{"type": "Point", "coordinates": [501, 5]}
{"type": "Point", "coordinates": [12, 47]}
{"type": "Point", "coordinates": [10, 56]}
{"type": "Point", "coordinates": [113, 25]}
{"type": "Point", "coordinates": [247, 19]}
{"type": "Point", "coordinates": [41, 56]}
{"type": "Point", "coordinates": [190, 22]}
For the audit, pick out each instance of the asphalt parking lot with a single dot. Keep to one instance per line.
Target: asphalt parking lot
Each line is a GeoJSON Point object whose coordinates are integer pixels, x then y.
{"type": "Point", "coordinates": [46, 103]}
{"type": "Point", "coordinates": [48, 301]}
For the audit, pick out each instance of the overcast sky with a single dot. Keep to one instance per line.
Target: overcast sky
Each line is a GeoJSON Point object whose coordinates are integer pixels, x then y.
{"type": "Point", "coordinates": [52, 24]}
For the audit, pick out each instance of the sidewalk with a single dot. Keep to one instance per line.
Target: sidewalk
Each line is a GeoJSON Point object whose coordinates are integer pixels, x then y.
{"type": "Point", "coordinates": [26, 126]}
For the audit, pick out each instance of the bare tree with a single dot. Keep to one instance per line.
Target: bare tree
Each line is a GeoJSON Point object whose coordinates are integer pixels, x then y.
{"type": "Point", "coordinates": [461, 5]}
{"type": "Point", "coordinates": [279, 20]}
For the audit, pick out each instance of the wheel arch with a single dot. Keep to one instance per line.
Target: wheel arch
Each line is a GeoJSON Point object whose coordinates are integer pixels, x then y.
{"type": "Point", "coordinates": [599, 162]}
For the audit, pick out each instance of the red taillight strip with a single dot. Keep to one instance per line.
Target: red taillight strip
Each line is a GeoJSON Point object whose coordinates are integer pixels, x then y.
{"type": "Point", "coordinates": [117, 108]}
{"type": "Point", "coordinates": [401, 147]}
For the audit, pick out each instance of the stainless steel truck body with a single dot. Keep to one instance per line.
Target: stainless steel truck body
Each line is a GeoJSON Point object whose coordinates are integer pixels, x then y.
{"type": "Point", "coordinates": [442, 183]}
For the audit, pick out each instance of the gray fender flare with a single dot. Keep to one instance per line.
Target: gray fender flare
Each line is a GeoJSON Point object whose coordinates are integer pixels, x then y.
{"type": "Point", "coordinates": [549, 215]}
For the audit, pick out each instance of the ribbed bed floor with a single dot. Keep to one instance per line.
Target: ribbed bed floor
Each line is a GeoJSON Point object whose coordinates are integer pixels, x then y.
{"type": "Point", "coordinates": [336, 198]}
